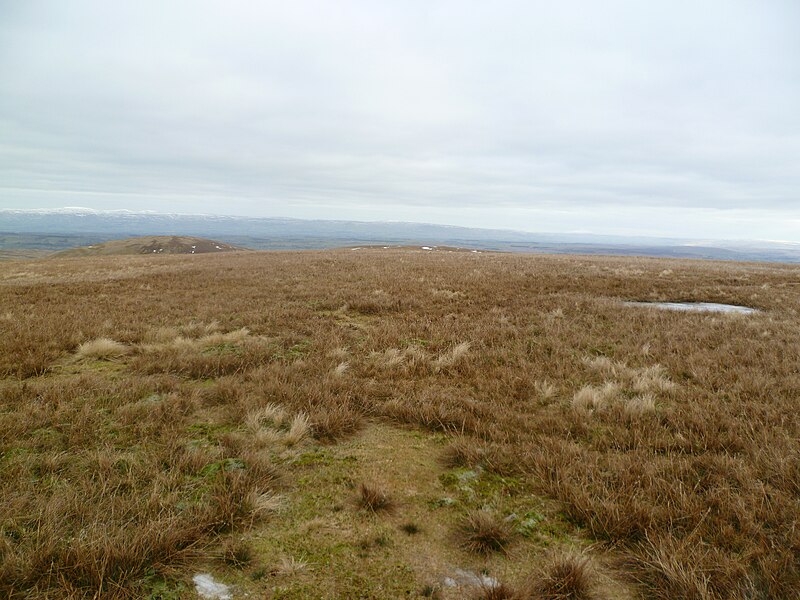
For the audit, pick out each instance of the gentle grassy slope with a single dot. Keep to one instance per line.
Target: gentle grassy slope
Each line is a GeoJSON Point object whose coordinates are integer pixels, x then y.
{"type": "Point", "coordinates": [154, 244]}
{"type": "Point", "coordinates": [165, 415]}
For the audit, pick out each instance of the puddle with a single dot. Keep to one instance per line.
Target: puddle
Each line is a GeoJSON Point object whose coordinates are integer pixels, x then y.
{"type": "Point", "coordinates": [209, 588]}
{"type": "Point", "coordinates": [697, 307]}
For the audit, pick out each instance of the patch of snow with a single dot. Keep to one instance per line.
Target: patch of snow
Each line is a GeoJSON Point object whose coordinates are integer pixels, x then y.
{"type": "Point", "coordinates": [210, 589]}
{"type": "Point", "coordinates": [463, 578]}
{"type": "Point", "coordinates": [697, 307]}
{"type": "Point", "coordinates": [468, 578]}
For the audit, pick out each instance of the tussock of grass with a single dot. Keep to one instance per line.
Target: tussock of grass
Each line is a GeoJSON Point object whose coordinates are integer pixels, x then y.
{"type": "Point", "coordinates": [264, 504]}
{"type": "Point", "coordinates": [334, 423]}
{"type": "Point", "coordinates": [290, 566]}
{"type": "Point", "coordinates": [372, 497]}
{"type": "Point", "coordinates": [483, 532]}
{"type": "Point", "coordinates": [563, 577]}
{"type": "Point", "coordinates": [594, 398]}
{"type": "Point", "coordinates": [453, 356]}
{"type": "Point", "coordinates": [341, 369]}
{"type": "Point", "coordinates": [640, 405]}
{"type": "Point", "coordinates": [238, 553]}
{"type": "Point", "coordinates": [102, 349]}
{"type": "Point", "coordinates": [410, 528]}
{"type": "Point", "coordinates": [652, 379]}
{"type": "Point", "coordinates": [269, 415]}
{"type": "Point", "coordinates": [545, 389]}
{"type": "Point", "coordinates": [183, 343]}
{"type": "Point", "coordinates": [299, 428]}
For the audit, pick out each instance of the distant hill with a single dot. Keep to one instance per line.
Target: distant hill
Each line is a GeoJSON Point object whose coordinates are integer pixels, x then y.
{"type": "Point", "coordinates": [160, 244]}
{"type": "Point", "coordinates": [59, 229]}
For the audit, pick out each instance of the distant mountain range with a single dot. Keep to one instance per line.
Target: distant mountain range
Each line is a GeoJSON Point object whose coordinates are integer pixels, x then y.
{"type": "Point", "coordinates": [59, 229]}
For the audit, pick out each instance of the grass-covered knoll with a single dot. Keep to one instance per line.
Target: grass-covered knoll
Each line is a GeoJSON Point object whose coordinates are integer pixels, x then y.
{"type": "Point", "coordinates": [154, 244]}
{"type": "Point", "coordinates": [377, 423]}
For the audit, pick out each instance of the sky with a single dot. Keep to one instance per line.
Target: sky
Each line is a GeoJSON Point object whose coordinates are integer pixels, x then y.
{"type": "Point", "coordinates": [666, 117]}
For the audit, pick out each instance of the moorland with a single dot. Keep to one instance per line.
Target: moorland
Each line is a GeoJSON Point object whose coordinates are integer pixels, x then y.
{"type": "Point", "coordinates": [385, 423]}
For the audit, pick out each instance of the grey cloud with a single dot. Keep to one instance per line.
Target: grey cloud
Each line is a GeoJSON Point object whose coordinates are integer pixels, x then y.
{"type": "Point", "coordinates": [659, 116]}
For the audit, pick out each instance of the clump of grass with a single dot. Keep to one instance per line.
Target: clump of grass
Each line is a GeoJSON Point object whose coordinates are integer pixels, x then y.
{"type": "Point", "coordinates": [263, 504]}
{"type": "Point", "coordinates": [237, 553]}
{"type": "Point", "coordinates": [290, 566]}
{"type": "Point", "coordinates": [373, 498]}
{"type": "Point", "coordinates": [640, 405]}
{"type": "Point", "coordinates": [670, 569]}
{"type": "Point", "coordinates": [332, 423]}
{"type": "Point", "coordinates": [453, 356]}
{"type": "Point", "coordinates": [102, 349]}
{"type": "Point", "coordinates": [653, 379]}
{"type": "Point", "coordinates": [484, 532]}
{"type": "Point", "coordinates": [299, 429]}
{"type": "Point", "coordinates": [545, 390]}
{"type": "Point", "coordinates": [341, 369]}
{"type": "Point", "coordinates": [410, 528]}
{"type": "Point", "coordinates": [563, 577]}
{"type": "Point", "coordinates": [605, 365]}
{"type": "Point", "coordinates": [594, 398]}
{"type": "Point", "coordinates": [269, 415]}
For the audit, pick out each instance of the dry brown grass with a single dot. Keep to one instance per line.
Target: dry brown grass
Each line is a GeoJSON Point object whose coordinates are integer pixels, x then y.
{"type": "Point", "coordinates": [102, 349]}
{"type": "Point", "coordinates": [564, 577]}
{"type": "Point", "coordinates": [483, 532]}
{"type": "Point", "coordinates": [498, 591]}
{"type": "Point", "coordinates": [374, 498]}
{"type": "Point", "coordinates": [680, 452]}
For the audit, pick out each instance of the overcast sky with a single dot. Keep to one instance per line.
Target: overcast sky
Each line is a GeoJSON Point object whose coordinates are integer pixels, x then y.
{"type": "Point", "coordinates": [642, 117]}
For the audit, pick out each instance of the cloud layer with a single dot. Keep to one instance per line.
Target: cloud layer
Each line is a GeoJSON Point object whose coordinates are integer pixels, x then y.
{"type": "Point", "coordinates": [671, 118]}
